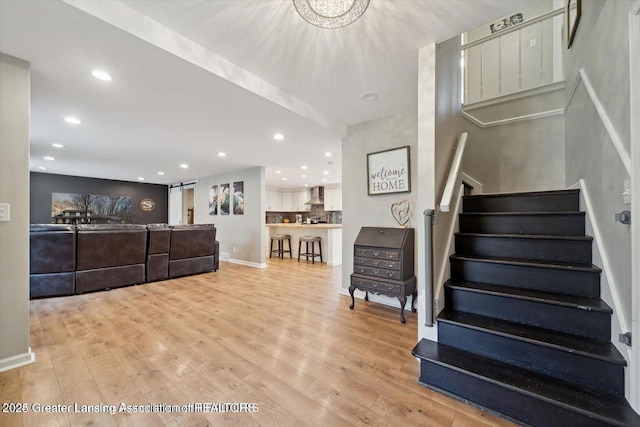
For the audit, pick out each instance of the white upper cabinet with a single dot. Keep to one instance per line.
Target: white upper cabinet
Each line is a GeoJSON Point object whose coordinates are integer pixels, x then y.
{"type": "Point", "coordinates": [332, 199]}
{"type": "Point", "coordinates": [274, 200]}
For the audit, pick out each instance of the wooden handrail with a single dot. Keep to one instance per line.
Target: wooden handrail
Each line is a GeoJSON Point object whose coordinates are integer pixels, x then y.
{"type": "Point", "coordinates": [454, 172]}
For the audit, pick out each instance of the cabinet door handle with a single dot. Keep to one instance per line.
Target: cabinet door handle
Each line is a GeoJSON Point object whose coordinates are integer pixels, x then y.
{"type": "Point", "coordinates": [391, 255]}
{"type": "Point", "coordinates": [375, 285]}
{"type": "Point", "coordinates": [362, 270]}
{"type": "Point", "coordinates": [390, 274]}
{"type": "Point", "coordinates": [376, 262]}
{"type": "Point", "coordinates": [389, 287]}
{"type": "Point", "coordinates": [360, 282]}
{"type": "Point", "coordinates": [390, 265]}
{"type": "Point", "coordinates": [363, 252]}
{"type": "Point", "coordinates": [376, 253]}
{"type": "Point", "coordinates": [376, 271]}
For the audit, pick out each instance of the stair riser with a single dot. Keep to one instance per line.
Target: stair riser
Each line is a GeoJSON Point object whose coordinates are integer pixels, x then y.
{"type": "Point", "coordinates": [593, 373]}
{"type": "Point", "coordinates": [555, 250]}
{"type": "Point", "coordinates": [523, 203]}
{"type": "Point", "coordinates": [572, 225]}
{"type": "Point", "coordinates": [573, 282]}
{"type": "Point", "coordinates": [592, 324]}
{"type": "Point", "coordinates": [495, 397]}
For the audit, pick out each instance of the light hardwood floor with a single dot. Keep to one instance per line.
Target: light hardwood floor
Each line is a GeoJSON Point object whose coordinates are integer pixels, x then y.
{"type": "Point", "coordinates": [281, 337]}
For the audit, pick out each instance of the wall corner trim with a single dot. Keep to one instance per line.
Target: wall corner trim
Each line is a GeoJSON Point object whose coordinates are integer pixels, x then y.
{"type": "Point", "coordinates": [17, 361]}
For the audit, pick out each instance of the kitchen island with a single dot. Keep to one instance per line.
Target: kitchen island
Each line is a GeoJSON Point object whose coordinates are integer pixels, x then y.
{"type": "Point", "coordinates": [331, 235]}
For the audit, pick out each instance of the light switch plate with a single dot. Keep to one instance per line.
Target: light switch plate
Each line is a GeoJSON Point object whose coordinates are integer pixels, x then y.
{"type": "Point", "coordinates": [5, 212]}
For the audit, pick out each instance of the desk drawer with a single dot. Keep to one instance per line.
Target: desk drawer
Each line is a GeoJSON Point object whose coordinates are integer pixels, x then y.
{"type": "Point", "coordinates": [377, 263]}
{"type": "Point", "coordinates": [378, 272]}
{"type": "Point", "coordinates": [377, 286]}
{"type": "Point", "coordinates": [384, 254]}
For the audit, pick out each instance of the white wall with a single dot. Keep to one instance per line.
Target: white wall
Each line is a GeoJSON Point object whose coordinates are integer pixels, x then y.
{"type": "Point", "coordinates": [14, 235]}
{"type": "Point", "coordinates": [360, 209]}
{"type": "Point", "coordinates": [244, 232]}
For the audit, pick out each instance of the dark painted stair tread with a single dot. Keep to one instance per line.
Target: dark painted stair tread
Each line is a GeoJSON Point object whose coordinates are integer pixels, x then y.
{"type": "Point", "coordinates": [609, 409]}
{"type": "Point", "coordinates": [525, 213]}
{"type": "Point", "coordinates": [561, 341]}
{"type": "Point", "coordinates": [531, 263]}
{"type": "Point", "coordinates": [522, 193]}
{"type": "Point", "coordinates": [529, 236]}
{"type": "Point", "coordinates": [578, 302]}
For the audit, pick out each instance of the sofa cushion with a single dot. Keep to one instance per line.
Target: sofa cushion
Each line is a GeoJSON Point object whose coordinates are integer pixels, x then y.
{"type": "Point", "coordinates": [108, 278]}
{"type": "Point", "coordinates": [52, 284]}
{"type": "Point", "coordinates": [52, 248]}
{"type": "Point", "coordinates": [111, 245]}
{"type": "Point", "coordinates": [192, 241]}
{"type": "Point", "coordinates": [188, 266]}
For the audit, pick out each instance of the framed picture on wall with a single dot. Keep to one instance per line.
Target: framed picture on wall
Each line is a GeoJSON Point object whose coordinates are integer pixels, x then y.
{"type": "Point", "coordinates": [225, 199]}
{"type": "Point", "coordinates": [389, 171]}
{"type": "Point", "coordinates": [213, 200]}
{"type": "Point", "coordinates": [238, 198]}
{"type": "Point", "coordinates": [573, 12]}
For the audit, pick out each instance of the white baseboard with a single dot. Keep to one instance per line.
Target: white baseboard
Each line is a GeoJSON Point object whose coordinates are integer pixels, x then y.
{"type": "Point", "coordinates": [243, 262]}
{"type": "Point", "coordinates": [17, 361]}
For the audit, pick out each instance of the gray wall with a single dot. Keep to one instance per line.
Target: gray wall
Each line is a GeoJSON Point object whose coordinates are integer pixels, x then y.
{"type": "Point", "coordinates": [14, 189]}
{"type": "Point", "coordinates": [589, 153]}
{"type": "Point", "coordinates": [358, 208]}
{"type": "Point", "coordinates": [43, 184]}
{"type": "Point", "coordinates": [245, 232]}
{"type": "Point", "coordinates": [519, 156]}
{"type": "Point", "coordinates": [448, 129]}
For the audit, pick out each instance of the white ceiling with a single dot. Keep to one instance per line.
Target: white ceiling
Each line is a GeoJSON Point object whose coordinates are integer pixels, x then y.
{"type": "Point", "coordinates": [193, 78]}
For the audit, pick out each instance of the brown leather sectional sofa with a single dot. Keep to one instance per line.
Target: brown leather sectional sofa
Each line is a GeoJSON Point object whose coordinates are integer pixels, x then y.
{"type": "Point", "coordinates": [68, 260]}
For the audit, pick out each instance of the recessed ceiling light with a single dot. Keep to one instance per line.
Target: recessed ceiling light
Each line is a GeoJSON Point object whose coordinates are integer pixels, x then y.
{"type": "Point", "coordinates": [278, 171]}
{"type": "Point", "coordinates": [278, 137]}
{"type": "Point", "coordinates": [306, 185]}
{"type": "Point", "coordinates": [328, 154]}
{"type": "Point", "coordinates": [369, 96]}
{"type": "Point", "coordinates": [325, 172]}
{"type": "Point", "coordinates": [49, 158]}
{"type": "Point", "coordinates": [284, 179]}
{"type": "Point", "coordinates": [221, 154]}
{"type": "Point", "coordinates": [303, 176]}
{"type": "Point", "coordinates": [72, 120]}
{"type": "Point", "coordinates": [140, 178]}
{"type": "Point", "coordinates": [57, 145]}
{"type": "Point", "coordinates": [101, 75]}
{"type": "Point", "coordinates": [42, 168]}
{"type": "Point", "coordinates": [160, 173]}
{"type": "Point", "coordinates": [303, 167]}
{"type": "Point", "coordinates": [324, 180]}
{"type": "Point", "coordinates": [184, 166]}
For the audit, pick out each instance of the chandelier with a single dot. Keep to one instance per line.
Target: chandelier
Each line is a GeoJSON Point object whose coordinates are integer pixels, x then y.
{"type": "Point", "coordinates": [330, 13]}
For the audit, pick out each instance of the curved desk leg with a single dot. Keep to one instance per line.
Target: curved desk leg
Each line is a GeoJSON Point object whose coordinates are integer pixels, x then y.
{"type": "Point", "coordinates": [403, 302]}
{"type": "Point", "coordinates": [366, 295]}
{"type": "Point", "coordinates": [414, 295]}
{"type": "Point", "coordinates": [353, 301]}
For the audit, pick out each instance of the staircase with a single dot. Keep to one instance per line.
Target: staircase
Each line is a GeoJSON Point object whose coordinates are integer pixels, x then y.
{"type": "Point", "coordinates": [524, 333]}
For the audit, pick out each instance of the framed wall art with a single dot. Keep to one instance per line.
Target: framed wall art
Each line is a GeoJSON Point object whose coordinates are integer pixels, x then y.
{"type": "Point", "coordinates": [573, 12]}
{"type": "Point", "coordinates": [389, 171]}
{"type": "Point", "coordinates": [213, 200]}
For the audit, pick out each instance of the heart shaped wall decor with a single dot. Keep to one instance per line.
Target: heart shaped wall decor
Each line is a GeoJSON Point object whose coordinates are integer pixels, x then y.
{"type": "Point", "coordinates": [400, 212]}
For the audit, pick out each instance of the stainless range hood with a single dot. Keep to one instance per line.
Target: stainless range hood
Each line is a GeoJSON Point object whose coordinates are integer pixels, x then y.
{"type": "Point", "coordinates": [317, 196]}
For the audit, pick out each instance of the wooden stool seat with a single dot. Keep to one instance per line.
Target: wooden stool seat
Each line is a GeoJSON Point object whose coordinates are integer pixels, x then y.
{"type": "Point", "coordinates": [280, 238]}
{"type": "Point", "coordinates": [312, 254]}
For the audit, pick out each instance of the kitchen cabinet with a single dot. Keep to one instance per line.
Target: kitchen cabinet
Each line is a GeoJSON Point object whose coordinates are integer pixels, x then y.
{"type": "Point", "coordinates": [287, 201]}
{"type": "Point", "coordinates": [274, 200]}
{"type": "Point", "coordinates": [332, 199]}
{"type": "Point", "coordinates": [300, 197]}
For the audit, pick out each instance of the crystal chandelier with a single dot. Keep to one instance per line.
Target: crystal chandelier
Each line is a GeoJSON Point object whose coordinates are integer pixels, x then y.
{"type": "Point", "coordinates": [331, 13]}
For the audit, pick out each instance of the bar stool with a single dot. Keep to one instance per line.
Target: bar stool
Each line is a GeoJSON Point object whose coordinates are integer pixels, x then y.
{"type": "Point", "coordinates": [280, 238]}
{"type": "Point", "coordinates": [312, 240]}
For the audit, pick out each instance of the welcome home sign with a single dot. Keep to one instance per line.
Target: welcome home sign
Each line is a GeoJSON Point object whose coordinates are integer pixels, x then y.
{"type": "Point", "coordinates": [389, 171]}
